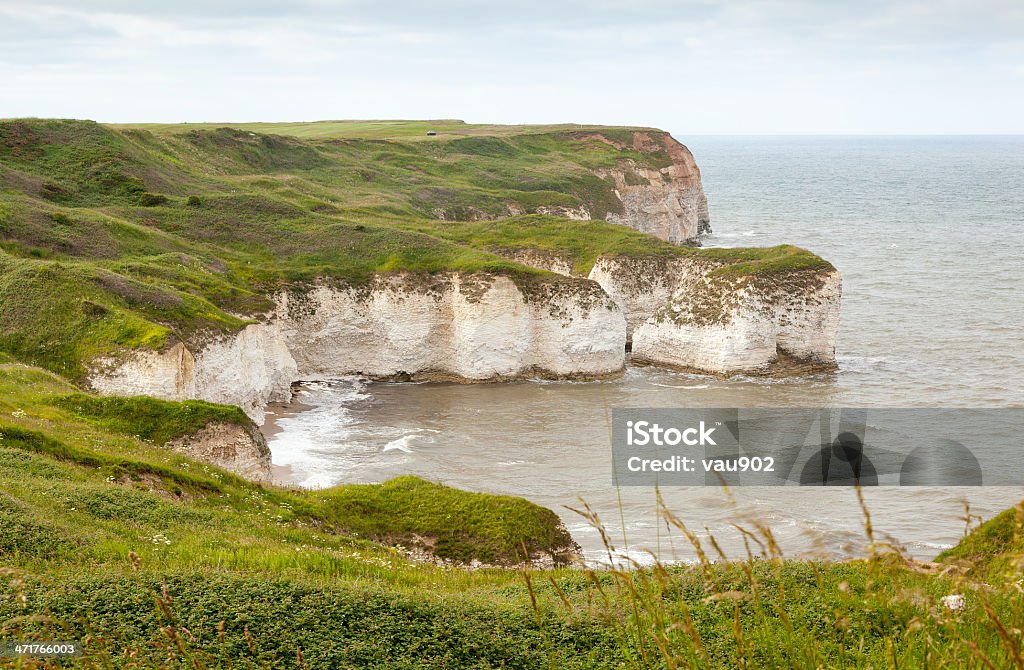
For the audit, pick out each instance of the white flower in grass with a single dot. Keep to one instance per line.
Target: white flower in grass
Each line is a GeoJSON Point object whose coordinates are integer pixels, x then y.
{"type": "Point", "coordinates": [18, 413]}
{"type": "Point", "coordinates": [954, 602]}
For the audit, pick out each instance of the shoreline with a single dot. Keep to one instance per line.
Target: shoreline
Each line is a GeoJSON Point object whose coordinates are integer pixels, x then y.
{"type": "Point", "coordinates": [281, 475]}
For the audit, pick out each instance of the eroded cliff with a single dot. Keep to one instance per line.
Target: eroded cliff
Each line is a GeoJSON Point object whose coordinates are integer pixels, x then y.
{"type": "Point", "coordinates": [667, 202]}
{"type": "Point", "coordinates": [756, 325]}
{"type": "Point", "coordinates": [455, 326]}
{"type": "Point", "coordinates": [721, 313]}
{"type": "Point", "coordinates": [236, 448]}
{"type": "Point", "coordinates": [653, 185]}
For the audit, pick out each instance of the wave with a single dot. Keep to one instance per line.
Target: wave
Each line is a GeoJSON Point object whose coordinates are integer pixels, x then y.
{"type": "Point", "coordinates": [673, 386]}
{"type": "Point", "coordinates": [403, 444]}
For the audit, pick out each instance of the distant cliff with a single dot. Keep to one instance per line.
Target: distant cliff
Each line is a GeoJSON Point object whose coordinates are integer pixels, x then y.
{"type": "Point", "coordinates": [666, 202]}
{"type": "Point", "coordinates": [654, 187]}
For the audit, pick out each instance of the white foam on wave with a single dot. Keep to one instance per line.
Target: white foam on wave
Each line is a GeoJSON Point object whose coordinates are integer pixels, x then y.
{"type": "Point", "coordinates": [623, 559]}
{"type": "Point", "coordinates": [406, 443]}
{"type": "Point", "coordinates": [300, 444]}
{"type": "Point", "coordinates": [403, 444]}
{"type": "Point", "coordinates": [673, 386]}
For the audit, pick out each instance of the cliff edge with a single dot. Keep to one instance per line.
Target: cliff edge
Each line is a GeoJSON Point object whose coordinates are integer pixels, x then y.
{"type": "Point", "coordinates": [668, 201]}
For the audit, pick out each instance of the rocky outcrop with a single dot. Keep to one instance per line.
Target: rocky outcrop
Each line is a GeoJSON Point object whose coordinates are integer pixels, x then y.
{"type": "Point", "coordinates": [229, 446]}
{"type": "Point", "coordinates": [782, 324]}
{"type": "Point", "coordinates": [249, 369]}
{"type": "Point", "coordinates": [458, 327]}
{"type": "Point", "coordinates": [465, 327]}
{"type": "Point", "coordinates": [667, 202]}
{"type": "Point", "coordinates": [661, 195]}
{"type": "Point", "coordinates": [680, 312]}
{"type": "Point", "coordinates": [642, 286]}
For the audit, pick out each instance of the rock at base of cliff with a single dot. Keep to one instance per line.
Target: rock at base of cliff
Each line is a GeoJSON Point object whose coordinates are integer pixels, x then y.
{"type": "Point", "coordinates": [241, 450]}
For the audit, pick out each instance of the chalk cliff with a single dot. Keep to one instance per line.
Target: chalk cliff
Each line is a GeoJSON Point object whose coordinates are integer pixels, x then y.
{"type": "Point", "coordinates": [642, 286]}
{"type": "Point", "coordinates": [687, 312]}
{"type": "Point", "coordinates": [654, 188]}
{"type": "Point", "coordinates": [690, 312]}
{"type": "Point", "coordinates": [457, 326]}
{"type": "Point", "coordinates": [762, 325]}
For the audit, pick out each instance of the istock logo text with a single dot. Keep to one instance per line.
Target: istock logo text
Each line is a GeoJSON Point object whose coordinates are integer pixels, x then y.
{"type": "Point", "coordinates": [642, 433]}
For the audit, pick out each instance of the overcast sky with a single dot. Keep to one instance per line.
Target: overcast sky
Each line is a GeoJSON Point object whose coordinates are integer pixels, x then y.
{"type": "Point", "coordinates": [693, 67]}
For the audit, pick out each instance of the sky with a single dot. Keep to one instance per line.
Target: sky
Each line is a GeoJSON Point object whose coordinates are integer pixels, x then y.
{"type": "Point", "coordinates": [691, 66]}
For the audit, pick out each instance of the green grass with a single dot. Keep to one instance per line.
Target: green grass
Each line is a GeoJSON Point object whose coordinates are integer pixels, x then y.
{"type": "Point", "coordinates": [149, 419]}
{"type": "Point", "coordinates": [376, 129]}
{"type": "Point", "coordinates": [405, 507]}
{"type": "Point", "coordinates": [105, 534]}
{"type": "Point", "coordinates": [581, 243]}
{"type": "Point", "coordinates": [994, 549]}
{"type": "Point", "coordinates": [765, 262]}
{"type": "Point", "coordinates": [107, 446]}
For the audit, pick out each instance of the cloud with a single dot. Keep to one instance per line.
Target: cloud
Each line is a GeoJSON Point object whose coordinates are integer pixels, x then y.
{"type": "Point", "coordinates": [717, 66]}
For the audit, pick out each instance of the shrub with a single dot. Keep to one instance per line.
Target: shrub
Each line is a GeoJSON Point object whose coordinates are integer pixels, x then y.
{"type": "Point", "coordinates": [147, 199]}
{"type": "Point", "coordinates": [194, 201]}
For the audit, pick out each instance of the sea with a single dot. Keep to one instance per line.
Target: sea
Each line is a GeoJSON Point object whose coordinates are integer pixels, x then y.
{"type": "Point", "coordinates": [928, 233]}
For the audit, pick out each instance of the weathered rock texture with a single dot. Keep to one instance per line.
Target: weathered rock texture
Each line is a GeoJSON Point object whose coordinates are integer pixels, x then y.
{"type": "Point", "coordinates": [667, 202]}
{"type": "Point", "coordinates": [238, 449]}
{"type": "Point", "coordinates": [680, 312]}
{"type": "Point", "coordinates": [781, 324]}
{"type": "Point", "coordinates": [662, 196]}
{"type": "Point", "coordinates": [461, 327]}
{"type": "Point", "coordinates": [642, 286]}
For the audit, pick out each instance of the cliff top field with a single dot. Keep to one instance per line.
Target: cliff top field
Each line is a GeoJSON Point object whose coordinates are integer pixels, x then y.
{"type": "Point", "coordinates": [386, 129]}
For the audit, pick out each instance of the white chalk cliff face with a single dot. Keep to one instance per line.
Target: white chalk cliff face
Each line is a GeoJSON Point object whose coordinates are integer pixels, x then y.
{"type": "Point", "coordinates": [680, 314]}
{"type": "Point", "coordinates": [779, 325]}
{"type": "Point", "coordinates": [459, 327]}
{"type": "Point", "coordinates": [641, 286]}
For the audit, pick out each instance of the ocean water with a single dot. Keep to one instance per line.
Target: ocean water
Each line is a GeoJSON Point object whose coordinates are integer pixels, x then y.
{"type": "Point", "coordinates": [928, 233]}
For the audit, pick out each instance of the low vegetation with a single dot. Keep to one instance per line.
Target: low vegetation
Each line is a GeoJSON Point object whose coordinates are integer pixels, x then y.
{"type": "Point", "coordinates": [157, 560]}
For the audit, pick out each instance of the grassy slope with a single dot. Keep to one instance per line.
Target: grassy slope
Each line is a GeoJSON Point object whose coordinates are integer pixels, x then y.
{"type": "Point", "coordinates": [994, 549]}
{"type": "Point", "coordinates": [148, 552]}
{"type": "Point", "coordinates": [87, 270]}
{"type": "Point", "coordinates": [562, 237]}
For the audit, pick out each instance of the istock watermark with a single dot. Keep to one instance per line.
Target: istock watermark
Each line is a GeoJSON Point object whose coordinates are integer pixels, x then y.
{"type": "Point", "coordinates": [818, 447]}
